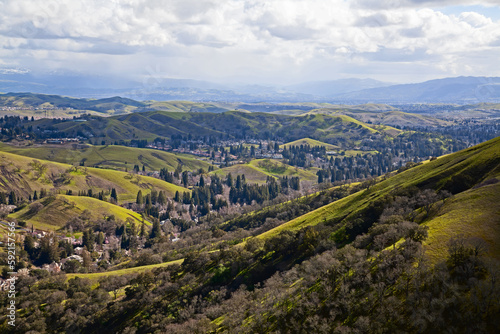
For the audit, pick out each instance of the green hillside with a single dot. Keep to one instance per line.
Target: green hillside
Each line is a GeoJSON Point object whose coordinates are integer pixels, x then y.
{"type": "Point", "coordinates": [252, 174]}
{"type": "Point", "coordinates": [58, 210]}
{"type": "Point", "coordinates": [109, 156]}
{"type": "Point", "coordinates": [384, 117]}
{"type": "Point", "coordinates": [472, 213]}
{"type": "Point", "coordinates": [149, 125]}
{"type": "Point", "coordinates": [456, 173]}
{"type": "Point", "coordinates": [310, 142]}
{"type": "Point", "coordinates": [258, 170]}
{"type": "Point", "coordinates": [24, 175]}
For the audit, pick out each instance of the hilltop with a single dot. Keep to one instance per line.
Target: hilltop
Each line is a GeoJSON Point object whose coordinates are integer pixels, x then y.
{"type": "Point", "coordinates": [310, 142]}
{"type": "Point", "coordinates": [24, 175]}
{"type": "Point", "coordinates": [149, 125]}
{"type": "Point", "coordinates": [56, 211]}
{"type": "Point", "coordinates": [110, 156]}
{"type": "Point", "coordinates": [456, 173]}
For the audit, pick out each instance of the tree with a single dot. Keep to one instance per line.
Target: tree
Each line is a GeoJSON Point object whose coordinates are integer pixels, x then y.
{"type": "Point", "coordinates": [140, 199]}
{"type": "Point", "coordinates": [100, 238]}
{"type": "Point", "coordinates": [162, 200]}
{"type": "Point", "coordinates": [156, 230]}
{"type": "Point", "coordinates": [114, 195]}
{"type": "Point", "coordinates": [143, 229]}
{"type": "Point", "coordinates": [87, 261]}
{"type": "Point", "coordinates": [12, 198]}
{"type": "Point", "coordinates": [229, 180]}
{"type": "Point", "coordinates": [88, 239]}
{"type": "Point", "coordinates": [185, 180]}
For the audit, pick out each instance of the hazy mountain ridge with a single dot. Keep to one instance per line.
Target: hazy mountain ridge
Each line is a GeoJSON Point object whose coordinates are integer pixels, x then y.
{"type": "Point", "coordinates": [349, 90]}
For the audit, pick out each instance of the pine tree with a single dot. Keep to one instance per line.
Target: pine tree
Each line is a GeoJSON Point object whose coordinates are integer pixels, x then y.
{"type": "Point", "coordinates": [114, 195]}
{"type": "Point", "coordinates": [140, 199]}
{"type": "Point", "coordinates": [12, 198]}
{"type": "Point", "coordinates": [161, 198]}
{"type": "Point", "coordinates": [156, 230]}
{"type": "Point", "coordinates": [35, 196]}
{"type": "Point", "coordinates": [143, 229]}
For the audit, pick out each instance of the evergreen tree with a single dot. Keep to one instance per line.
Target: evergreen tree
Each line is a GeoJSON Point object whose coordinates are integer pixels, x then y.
{"type": "Point", "coordinates": [12, 198]}
{"type": "Point", "coordinates": [154, 196]}
{"type": "Point", "coordinates": [114, 195]}
{"type": "Point", "coordinates": [161, 198]}
{"type": "Point", "coordinates": [88, 239]}
{"type": "Point", "coordinates": [140, 199]}
{"type": "Point", "coordinates": [156, 230]}
{"type": "Point", "coordinates": [35, 196]}
{"type": "Point", "coordinates": [185, 178]}
{"type": "Point", "coordinates": [100, 238]}
{"type": "Point", "coordinates": [143, 229]}
{"type": "Point", "coordinates": [229, 180]}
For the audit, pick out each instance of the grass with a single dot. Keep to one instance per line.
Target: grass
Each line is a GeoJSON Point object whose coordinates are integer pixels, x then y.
{"type": "Point", "coordinates": [277, 168]}
{"type": "Point", "coordinates": [127, 271]}
{"type": "Point", "coordinates": [481, 162]}
{"type": "Point", "coordinates": [16, 173]}
{"type": "Point", "coordinates": [258, 170]}
{"type": "Point", "coordinates": [108, 156]}
{"type": "Point", "coordinates": [310, 142]}
{"type": "Point", "coordinates": [56, 213]}
{"type": "Point", "coordinates": [252, 173]}
{"type": "Point", "coordinates": [473, 213]}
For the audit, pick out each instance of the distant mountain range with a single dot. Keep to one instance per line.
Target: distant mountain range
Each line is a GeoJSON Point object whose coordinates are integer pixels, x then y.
{"type": "Point", "coordinates": [460, 90]}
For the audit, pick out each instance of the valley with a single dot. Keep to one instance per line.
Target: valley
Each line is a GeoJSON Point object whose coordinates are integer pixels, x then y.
{"type": "Point", "coordinates": [168, 218]}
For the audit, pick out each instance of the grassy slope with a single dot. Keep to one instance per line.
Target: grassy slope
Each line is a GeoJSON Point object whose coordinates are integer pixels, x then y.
{"type": "Point", "coordinates": [305, 175]}
{"type": "Point", "coordinates": [483, 161]}
{"type": "Point", "coordinates": [310, 142]}
{"type": "Point", "coordinates": [475, 213]}
{"type": "Point", "coordinates": [134, 270]}
{"type": "Point", "coordinates": [109, 156]}
{"type": "Point", "coordinates": [56, 213]}
{"type": "Point", "coordinates": [16, 174]}
{"type": "Point", "coordinates": [252, 174]}
{"type": "Point", "coordinates": [255, 173]}
{"type": "Point", "coordinates": [387, 117]}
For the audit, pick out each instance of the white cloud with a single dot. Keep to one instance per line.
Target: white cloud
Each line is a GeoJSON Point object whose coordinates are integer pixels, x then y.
{"type": "Point", "coordinates": [274, 40]}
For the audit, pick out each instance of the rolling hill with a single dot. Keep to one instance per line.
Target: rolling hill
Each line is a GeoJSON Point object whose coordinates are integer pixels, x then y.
{"type": "Point", "coordinates": [458, 173]}
{"type": "Point", "coordinates": [58, 210]}
{"type": "Point", "coordinates": [258, 170]}
{"type": "Point", "coordinates": [24, 175]}
{"type": "Point", "coordinates": [232, 124]}
{"type": "Point", "coordinates": [310, 142]}
{"type": "Point", "coordinates": [112, 157]}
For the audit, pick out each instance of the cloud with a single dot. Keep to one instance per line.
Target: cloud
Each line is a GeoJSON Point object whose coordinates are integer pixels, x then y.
{"type": "Point", "coordinates": [208, 39]}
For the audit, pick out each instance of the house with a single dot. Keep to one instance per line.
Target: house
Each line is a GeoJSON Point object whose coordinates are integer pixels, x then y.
{"type": "Point", "coordinates": [52, 268]}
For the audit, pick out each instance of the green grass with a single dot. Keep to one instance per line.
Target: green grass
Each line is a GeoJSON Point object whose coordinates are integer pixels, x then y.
{"type": "Point", "coordinates": [277, 168]}
{"type": "Point", "coordinates": [473, 213]}
{"type": "Point", "coordinates": [109, 156]}
{"type": "Point", "coordinates": [17, 174]}
{"type": "Point", "coordinates": [127, 271]}
{"type": "Point", "coordinates": [258, 170]}
{"type": "Point", "coordinates": [56, 213]}
{"type": "Point", "coordinates": [310, 142]}
{"type": "Point", "coordinates": [480, 162]}
{"type": "Point", "coordinates": [252, 173]}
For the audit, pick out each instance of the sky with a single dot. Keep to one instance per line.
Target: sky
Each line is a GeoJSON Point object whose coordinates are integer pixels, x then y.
{"type": "Point", "coordinates": [252, 41]}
